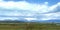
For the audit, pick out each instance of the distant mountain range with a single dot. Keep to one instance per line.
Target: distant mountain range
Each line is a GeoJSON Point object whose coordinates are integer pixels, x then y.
{"type": "Point", "coordinates": [49, 21]}
{"type": "Point", "coordinates": [55, 21]}
{"type": "Point", "coordinates": [23, 20]}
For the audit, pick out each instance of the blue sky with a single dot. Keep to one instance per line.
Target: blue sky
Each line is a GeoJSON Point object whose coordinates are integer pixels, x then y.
{"type": "Point", "coordinates": [30, 9]}
{"type": "Point", "coordinates": [51, 2]}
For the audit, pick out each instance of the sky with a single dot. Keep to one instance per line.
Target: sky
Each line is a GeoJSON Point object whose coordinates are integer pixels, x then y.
{"type": "Point", "coordinates": [29, 9]}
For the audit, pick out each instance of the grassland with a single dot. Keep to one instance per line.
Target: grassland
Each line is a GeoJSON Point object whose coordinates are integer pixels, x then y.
{"type": "Point", "coordinates": [29, 26]}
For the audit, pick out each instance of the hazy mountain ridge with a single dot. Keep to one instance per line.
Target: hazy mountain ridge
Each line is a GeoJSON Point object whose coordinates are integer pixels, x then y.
{"type": "Point", "coordinates": [23, 20]}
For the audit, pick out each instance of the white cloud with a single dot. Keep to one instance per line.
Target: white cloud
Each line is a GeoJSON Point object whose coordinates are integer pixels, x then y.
{"type": "Point", "coordinates": [33, 8]}
{"type": "Point", "coordinates": [8, 18]}
{"type": "Point", "coordinates": [51, 16]}
{"type": "Point", "coordinates": [54, 7]}
{"type": "Point", "coordinates": [1, 0]}
{"type": "Point", "coordinates": [23, 5]}
{"type": "Point", "coordinates": [46, 3]}
{"type": "Point", "coordinates": [29, 19]}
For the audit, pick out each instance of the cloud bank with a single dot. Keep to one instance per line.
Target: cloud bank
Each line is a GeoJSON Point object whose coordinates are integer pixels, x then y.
{"type": "Point", "coordinates": [23, 8]}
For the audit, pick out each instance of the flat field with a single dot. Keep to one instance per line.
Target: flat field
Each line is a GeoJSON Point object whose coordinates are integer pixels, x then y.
{"type": "Point", "coordinates": [29, 26]}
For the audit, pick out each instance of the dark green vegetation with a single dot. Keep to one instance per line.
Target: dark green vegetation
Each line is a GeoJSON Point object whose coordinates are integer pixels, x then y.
{"type": "Point", "coordinates": [30, 26]}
